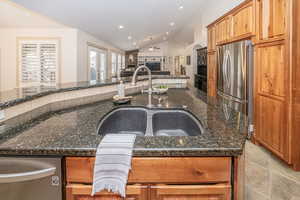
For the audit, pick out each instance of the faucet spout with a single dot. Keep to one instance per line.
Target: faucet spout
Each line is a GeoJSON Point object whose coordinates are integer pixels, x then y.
{"type": "Point", "coordinates": [150, 81]}
{"type": "Point", "coordinates": [149, 75]}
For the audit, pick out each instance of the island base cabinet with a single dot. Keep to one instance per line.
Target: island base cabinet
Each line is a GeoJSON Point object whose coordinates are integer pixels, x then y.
{"type": "Point", "coordinates": [154, 192]}
{"type": "Point", "coordinates": [157, 178]}
{"type": "Point", "coordinates": [83, 192]}
{"type": "Point", "coordinates": [191, 192]}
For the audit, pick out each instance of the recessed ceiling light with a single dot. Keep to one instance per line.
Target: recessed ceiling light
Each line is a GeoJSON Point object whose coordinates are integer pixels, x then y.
{"type": "Point", "coordinates": [27, 14]}
{"type": "Point", "coordinates": [121, 27]}
{"type": "Point", "coordinates": [172, 23]}
{"type": "Point", "coordinates": [180, 7]}
{"type": "Point", "coordinates": [129, 37]}
{"type": "Point", "coordinates": [167, 33]}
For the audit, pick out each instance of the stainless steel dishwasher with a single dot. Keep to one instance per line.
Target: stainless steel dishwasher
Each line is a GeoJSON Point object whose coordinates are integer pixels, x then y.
{"type": "Point", "coordinates": [30, 178]}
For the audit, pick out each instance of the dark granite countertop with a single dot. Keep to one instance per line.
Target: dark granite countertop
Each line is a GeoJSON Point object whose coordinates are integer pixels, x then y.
{"type": "Point", "coordinates": [19, 95]}
{"type": "Point", "coordinates": [72, 132]}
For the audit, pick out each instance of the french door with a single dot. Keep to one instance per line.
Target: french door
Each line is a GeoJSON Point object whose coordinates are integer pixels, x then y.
{"type": "Point", "coordinates": [97, 64]}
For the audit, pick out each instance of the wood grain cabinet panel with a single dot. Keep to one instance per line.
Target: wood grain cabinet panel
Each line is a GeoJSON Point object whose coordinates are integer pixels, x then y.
{"type": "Point", "coordinates": [212, 74]}
{"type": "Point", "coordinates": [83, 192]}
{"type": "Point", "coordinates": [191, 192]}
{"type": "Point", "coordinates": [211, 38]}
{"type": "Point", "coordinates": [158, 170]}
{"type": "Point", "coordinates": [278, 17]}
{"type": "Point", "coordinates": [271, 18]}
{"type": "Point", "coordinates": [271, 125]}
{"type": "Point", "coordinates": [270, 63]}
{"type": "Point", "coordinates": [243, 21]}
{"type": "Point", "coordinates": [223, 30]}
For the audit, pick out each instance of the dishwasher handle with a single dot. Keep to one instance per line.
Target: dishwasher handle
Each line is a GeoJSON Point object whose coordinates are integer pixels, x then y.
{"type": "Point", "coordinates": [27, 176]}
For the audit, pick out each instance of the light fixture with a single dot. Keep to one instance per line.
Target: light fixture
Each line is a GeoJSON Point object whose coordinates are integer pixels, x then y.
{"type": "Point", "coordinates": [167, 33]}
{"type": "Point", "coordinates": [172, 23]}
{"type": "Point", "coordinates": [134, 43]}
{"type": "Point", "coordinates": [151, 49]}
{"type": "Point", "coordinates": [180, 7]}
{"type": "Point", "coordinates": [129, 37]}
{"type": "Point", "coordinates": [121, 26]}
{"type": "Point", "coordinates": [27, 14]}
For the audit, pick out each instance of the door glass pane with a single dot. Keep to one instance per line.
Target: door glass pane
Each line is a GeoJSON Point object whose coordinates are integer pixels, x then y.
{"type": "Point", "coordinates": [102, 66]}
{"type": "Point", "coordinates": [93, 65]}
{"type": "Point", "coordinates": [113, 64]}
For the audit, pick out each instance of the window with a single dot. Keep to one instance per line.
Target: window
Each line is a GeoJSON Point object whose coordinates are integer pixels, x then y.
{"type": "Point", "coordinates": [123, 62]}
{"type": "Point", "coordinates": [97, 64]}
{"type": "Point", "coordinates": [113, 64]}
{"type": "Point", "coordinates": [38, 62]}
{"type": "Point", "coordinates": [119, 62]}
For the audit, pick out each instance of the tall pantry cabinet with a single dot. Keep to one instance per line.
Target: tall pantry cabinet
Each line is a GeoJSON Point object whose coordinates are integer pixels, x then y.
{"type": "Point", "coordinates": [273, 27]}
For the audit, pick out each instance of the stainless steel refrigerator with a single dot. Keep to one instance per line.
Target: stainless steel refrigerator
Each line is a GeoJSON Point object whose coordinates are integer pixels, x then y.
{"type": "Point", "coordinates": [235, 78]}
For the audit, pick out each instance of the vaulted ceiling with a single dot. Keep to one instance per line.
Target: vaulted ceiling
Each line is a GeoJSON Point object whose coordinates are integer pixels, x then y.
{"type": "Point", "coordinates": [144, 21]}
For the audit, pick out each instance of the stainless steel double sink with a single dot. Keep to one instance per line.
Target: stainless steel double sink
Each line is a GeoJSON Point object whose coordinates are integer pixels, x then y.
{"type": "Point", "coordinates": [150, 122]}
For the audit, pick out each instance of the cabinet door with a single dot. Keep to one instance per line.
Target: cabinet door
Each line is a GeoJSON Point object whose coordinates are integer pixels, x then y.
{"type": "Point", "coordinates": [271, 129]}
{"type": "Point", "coordinates": [270, 104]}
{"type": "Point", "coordinates": [83, 192]}
{"type": "Point", "coordinates": [212, 74]}
{"type": "Point", "coordinates": [223, 30]}
{"type": "Point", "coordinates": [271, 15]}
{"type": "Point", "coordinates": [191, 192]}
{"type": "Point", "coordinates": [211, 38]}
{"type": "Point", "coordinates": [272, 69]}
{"type": "Point", "coordinates": [243, 21]}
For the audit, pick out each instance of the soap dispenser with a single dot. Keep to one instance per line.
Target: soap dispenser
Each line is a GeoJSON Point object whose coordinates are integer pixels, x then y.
{"type": "Point", "coordinates": [121, 89]}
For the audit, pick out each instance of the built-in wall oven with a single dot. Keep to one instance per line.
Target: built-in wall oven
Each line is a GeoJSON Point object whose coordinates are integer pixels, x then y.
{"type": "Point", "coordinates": [23, 178]}
{"type": "Point", "coordinates": [201, 76]}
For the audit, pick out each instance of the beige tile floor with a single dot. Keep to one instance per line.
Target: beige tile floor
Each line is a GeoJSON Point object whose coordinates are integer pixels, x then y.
{"type": "Point", "coordinates": [268, 178]}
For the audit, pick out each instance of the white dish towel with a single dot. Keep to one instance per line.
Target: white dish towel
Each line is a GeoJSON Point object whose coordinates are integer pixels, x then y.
{"type": "Point", "coordinates": [113, 162]}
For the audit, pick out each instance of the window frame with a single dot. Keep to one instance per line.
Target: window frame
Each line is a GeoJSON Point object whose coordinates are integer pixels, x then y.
{"type": "Point", "coordinates": [39, 41]}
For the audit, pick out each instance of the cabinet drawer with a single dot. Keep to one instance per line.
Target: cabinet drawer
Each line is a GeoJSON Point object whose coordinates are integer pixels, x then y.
{"type": "Point", "coordinates": [159, 170]}
{"type": "Point", "coordinates": [191, 192]}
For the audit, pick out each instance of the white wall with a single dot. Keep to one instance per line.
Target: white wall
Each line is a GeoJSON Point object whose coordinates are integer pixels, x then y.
{"type": "Point", "coordinates": [9, 51]}
{"type": "Point", "coordinates": [73, 53]}
{"type": "Point", "coordinates": [83, 39]}
{"type": "Point", "coordinates": [212, 11]}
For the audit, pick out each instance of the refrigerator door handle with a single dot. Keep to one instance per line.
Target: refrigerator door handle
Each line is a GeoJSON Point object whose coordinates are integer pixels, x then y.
{"type": "Point", "coordinates": [230, 98]}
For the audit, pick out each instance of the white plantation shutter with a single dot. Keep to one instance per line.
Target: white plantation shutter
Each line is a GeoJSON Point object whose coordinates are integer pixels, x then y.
{"type": "Point", "coordinates": [38, 62]}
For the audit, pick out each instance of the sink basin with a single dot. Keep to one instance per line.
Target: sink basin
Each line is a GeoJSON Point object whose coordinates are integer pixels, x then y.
{"type": "Point", "coordinates": [150, 122]}
{"type": "Point", "coordinates": [175, 123]}
{"type": "Point", "coordinates": [124, 120]}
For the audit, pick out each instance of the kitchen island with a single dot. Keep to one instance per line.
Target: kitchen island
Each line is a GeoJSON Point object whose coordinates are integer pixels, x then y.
{"type": "Point", "coordinates": [204, 166]}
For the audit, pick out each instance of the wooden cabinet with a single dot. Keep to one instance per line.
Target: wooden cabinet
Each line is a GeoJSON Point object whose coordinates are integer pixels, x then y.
{"type": "Point", "coordinates": [83, 192]}
{"type": "Point", "coordinates": [271, 125]}
{"type": "Point", "coordinates": [223, 30]}
{"type": "Point", "coordinates": [191, 192]}
{"type": "Point", "coordinates": [183, 178]}
{"type": "Point", "coordinates": [271, 98]}
{"type": "Point", "coordinates": [271, 67]}
{"type": "Point", "coordinates": [235, 25]}
{"type": "Point", "coordinates": [242, 21]}
{"type": "Point", "coordinates": [212, 73]}
{"type": "Point", "coordinates": [271, 18]}
{"type": "Point", "coordinates": [211, 39]}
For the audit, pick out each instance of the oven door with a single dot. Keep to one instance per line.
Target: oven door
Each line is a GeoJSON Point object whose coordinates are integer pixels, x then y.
{"type": "Point", "coordinates": [30, 178]}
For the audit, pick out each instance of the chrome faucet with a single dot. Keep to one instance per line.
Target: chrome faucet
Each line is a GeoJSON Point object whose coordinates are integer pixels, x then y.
{"type": "Point", "coordinates": [150, 82]}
